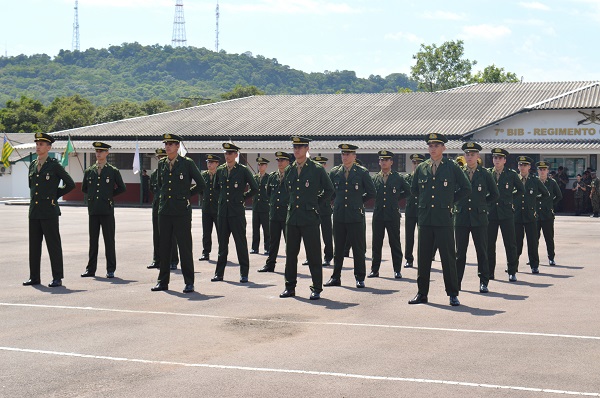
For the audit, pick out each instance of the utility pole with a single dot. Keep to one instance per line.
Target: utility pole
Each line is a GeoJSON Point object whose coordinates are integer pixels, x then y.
{"type": "Point", "coordinates": [75, 41]}
{"type": "Point", "coordinates": [217, 28]}
{"type": "Point", "coordinates": [179, 39]}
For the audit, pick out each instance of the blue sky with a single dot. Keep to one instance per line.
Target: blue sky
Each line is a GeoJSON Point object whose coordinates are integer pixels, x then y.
{"type": "Point", "coordinates": [537, 40]}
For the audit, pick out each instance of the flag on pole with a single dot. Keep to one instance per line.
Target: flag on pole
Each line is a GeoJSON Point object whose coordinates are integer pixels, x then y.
{"type": "Point", "coordinates": [182, 149]}
{"type": "Point", "coordinates": [136, 159]}
{"type": "Point", "coordinates": [64, 162]}
{"type": "Point", "coordinates": [7, 149]}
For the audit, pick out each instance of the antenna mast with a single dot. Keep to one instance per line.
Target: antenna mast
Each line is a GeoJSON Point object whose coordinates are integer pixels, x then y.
{"type": "Point", "coordinates": [75, 42]}
{"type": "Point", "coordinates": [178, 26]}
{"type": "Point", "coordinates": [217, 28]}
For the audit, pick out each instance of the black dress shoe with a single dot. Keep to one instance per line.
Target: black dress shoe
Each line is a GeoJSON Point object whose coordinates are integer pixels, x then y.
{"type": "Point", "coordinates": [153, 265]}
{"type": "Point", "coordinates": [408, 264]}
{"type": "Point", "coordinates": [266, 268]}
{"type": "Point", "coordinates": [188, 288]}
{"type": "Point", "coordinates": [253, 251]}
{"type": "Point", "coordinates": [397, 275]}
{"type": "Point", "coordinates": [535, 270]}
{"type": "Point", "coordinates": [512, 277]}
{"type": "Point", "coordinates": [327, 263]}
{"type": "Point", "coordinates": [174, 265]}
{"type": "Point", "coordinates": [55, 283]}
{"type": "Point", "coordinates": [110, 275]}
{"type": "Point", "coordinates": [551, 262]}
{"type": "Point", "coordinates": [288, 293]}
{"type": "Point", "coordinates": [418, 299]}
{"type": "Point", "coordinates": [88, 274]}
{"type": "Point", "coordinates": [266, 252]}
{"type": "Point", "coordinates": [159, 287]}
{"type": "Point", "coordinates": [315, 296]}
{"type": "Point", "coordinates": [30, 282]}
{"type": "Point", "coordinates": [333, 282]}
{"type": "Point", "coordinates": [305, 262]}
{"type": "Point", "coordinates": [373, 274]}
{"type": "Point", "coordinates": [454, 301]}
{"type": "Point", "coordinates": [360, 284]}
{"type": "Point", "coordinates": [205, 257]}
{"type": "Point", "coordinates": [244, 279]}
{"type": "Point", "coordinates": [216, 278]}
{"type": "Point", "coordinates": [483, 288]}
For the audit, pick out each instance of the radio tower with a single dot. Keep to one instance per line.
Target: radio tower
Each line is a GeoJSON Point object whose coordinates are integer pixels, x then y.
{"type": "Point", "coordinates": [217, 28]}
{"type": "Point", "coordinates": [75, 42]}
{"type": "Point", "coordinates": [178, 26]}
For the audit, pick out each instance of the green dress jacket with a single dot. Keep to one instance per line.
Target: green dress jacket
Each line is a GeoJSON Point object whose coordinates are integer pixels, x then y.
{"type": "Point", "coordinates": [472, 211]}
{"type": "Point", "coordinates": [101, 189]}
{"type": "Point", "coordinates": [351, 194]}
{"type": "Point", "coordinates": [509, 185]}
{"type": "Point", "coordinates": [175, 186]}
{"type": "Point", "coordinates": [44, 189]}
{"type": "Point", "coordinates": [279, 197]}
{"type": "Point", "coordinates": [545, 208]}
{"type": "Point", "coordinates": [437, 194]}
{"type": "Point", "coordinates": [307, 193]}
{"type": "Point", "coordinates": [388, 196]}
{"type": "Point", "coordinates": [526, 203]}
{"type": "Point", "coordinates": [412, 204]}
{"type": "Point", "coordinates": [260, 201]}
{"type": "Point", "coordinates": [209, 196]}
{"type": "Point", "coordinates": [232, 190]}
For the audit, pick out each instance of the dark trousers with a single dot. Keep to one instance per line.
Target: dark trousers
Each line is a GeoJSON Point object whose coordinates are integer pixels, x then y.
{"type": "Point", "coordinates": [410, 224]}
{"type": "Point", "coordinates": [39, 230]}
{"type": "Point", "coordinates": [277, 228]}
{"type": "Point", "coordinates": [530, 231]}
{"type": "Point", "coordinates": [480, 240]}
{"type": "Point", "coordinates": [156, 241]}
{"type": "Point", "coordinates": [107, 222]}
{"type": "Point", "coordinates": [181, 227]}
{"type": "Point", "coordinates": [443, 238]}
{"type": "Point", "coordinates": [579, 206]}
{"type": "Point", "coordinates": [547, 227]}
{"type": "Point", "coordinates": [312, 245]}
{"type": "Point", "coordinates": [208, 221]}
{"type": "Point", "coordinates": [393, 230]}
{"type": "Point", "coordinates": [236, 227]}
{"type": "Point", "coordinates": [507, 227]}
{"type": "Point", "coordinates": [260, 219]}
{"type": "Point", "coordinates": [355, 234]}
{"type": "Point", "coordinates": [327, 233]}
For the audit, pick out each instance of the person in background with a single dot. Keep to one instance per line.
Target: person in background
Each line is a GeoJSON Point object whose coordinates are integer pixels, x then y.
{"type": "Point", "coordinates": [545, 209]}
{"type": "Point", "coordinates": [579, 191]}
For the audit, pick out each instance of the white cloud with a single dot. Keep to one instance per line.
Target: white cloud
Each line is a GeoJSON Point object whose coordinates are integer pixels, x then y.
{"type": "Point", "coordinates": [485, 31]}
{"type": "Point", "coordinates": [534, 5]}
{"type": "Point", "coordinates": [445, 15]}
{"type": "Point", "coordinates": [293, 7]}
{"type": "Point", "coordinates": [404, 36]}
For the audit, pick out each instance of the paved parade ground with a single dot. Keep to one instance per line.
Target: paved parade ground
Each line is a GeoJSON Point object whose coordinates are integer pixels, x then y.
{"type": "Point", "coordinates": [98, 337]}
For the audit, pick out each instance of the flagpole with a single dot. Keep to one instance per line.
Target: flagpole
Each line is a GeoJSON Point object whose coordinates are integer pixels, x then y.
{"type": "Point", "coordinates": [75, 150]}
{"type": "Point", "coordinates": [14, 148]}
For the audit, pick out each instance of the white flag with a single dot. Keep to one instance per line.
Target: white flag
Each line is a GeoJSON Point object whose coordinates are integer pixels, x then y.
{"type": "Point", "coordinates": [182, 149]}
{"type": "Point", "coordinates": [136, 159]}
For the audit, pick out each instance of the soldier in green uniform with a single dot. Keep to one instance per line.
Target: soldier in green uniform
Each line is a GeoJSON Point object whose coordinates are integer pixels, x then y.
{"type": "Point", "coordinates": [260, 207]}
{"type": "Point", "coordinates": [352, 188]}
{"type": "Point", "coordinates": [232, 179]}
{"type": "Point", "coordinates": [526, 205]}
{"type": "Point", "coordinates": [545, 209]}
{"type": "Point", "coordinates": [101, 182]}
{"type": "Point", "coordinates": [390, 187]}
{"type": "Point", "coordinates": [411, 214]}
{"type": "Point", "coordinates": [309, 187]}
{"type": "Point", "coordinates": [437, 183]}
{"type": "Point", "coordinates": [160, 154]}
{"type": "Point", "coordinates": [175, 175]}
{"type": "Point", "coordinates": [277, 192]}
{"type": "Point", "coordinates": [471, 216]}
{"type": "Point", "coordinates": [209, 205]}
{"type": "Point", "coordinates": [595, 195]}
{"type": "Point", "coordinates": [501, 214]}
{"type": "Point", "coordinates": [44, 176]}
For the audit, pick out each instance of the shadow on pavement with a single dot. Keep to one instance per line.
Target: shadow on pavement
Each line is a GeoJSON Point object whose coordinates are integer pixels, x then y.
{"type": "Point", "coordinates": [504, 296]}
{"type": "Point", "coordinates": [195, 296]}
{"type": "Point", "coordinates": [329, 304]}
{"type": "Point", "coordinates": [466, 309]}
{"type": "Point", "coordinates": [57, 290]}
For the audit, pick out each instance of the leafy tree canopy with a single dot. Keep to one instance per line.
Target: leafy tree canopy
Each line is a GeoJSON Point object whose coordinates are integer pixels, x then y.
{"type": "Point", "coordinates": [493, 74]}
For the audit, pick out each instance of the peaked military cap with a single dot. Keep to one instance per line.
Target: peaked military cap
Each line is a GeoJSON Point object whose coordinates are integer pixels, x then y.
{"type": "Point", "coordinates": [213, 158]}
{"type": "Point", "coordinates": [101, 146]}
{"type": "Point", "coordinates": [524, 160]}
{"type": "Point", "coordinates": [261, 160]}
{"type": "Point", "coordinates": [542, 165]}
{"type": "Point", "coordinates": [436, 137]}
{"type": "Point", "coordinates": [300, 140]}
{"type": "Point", "coordinates": [320, 159]}
{"type": "Point", "coordinates": [500, 152]}
{"type": "Point", "coordinates": [171, 138]}
{"type": "Point", "coordinates": [160, 152]}
{"type": "Point", "coordinates": [385, 154]}
{"type": "Point", "coordinates": [471, 147]}
{"type": "Point", "coordinates": [348, 147]}
{"type": "Point", "coordinates": [44, 137]}
{"type": "Point", "coordinates": [418, 157]}
{"type": "Point", "coordinates": [282, 155]}
{"type": "Point", "coordinates": [228, 146]}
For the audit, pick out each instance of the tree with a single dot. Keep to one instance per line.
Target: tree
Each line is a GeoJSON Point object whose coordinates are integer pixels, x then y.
{"type": "Point", "coordinates": [154, 106]}
{"type": "Point", "coordinates": [23, 116]}
{"type": "Point", "coordinates": [441, 68]}
{"type": "Point", "coordinates": [240, 91]}
{"type": "Point", "coordinates": [493, 74]}
{"type": "Point", "coordinates": [118, 111]}
{"type": "Point", "coordinates": [70, 112]}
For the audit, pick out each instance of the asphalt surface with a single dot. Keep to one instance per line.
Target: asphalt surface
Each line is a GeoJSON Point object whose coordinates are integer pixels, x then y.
{"type": "Point", "coordinates": [95, 337]}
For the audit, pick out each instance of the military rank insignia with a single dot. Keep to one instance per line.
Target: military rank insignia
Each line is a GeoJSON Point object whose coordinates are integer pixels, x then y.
{"type": "Point", "coordinates": [356, 186]}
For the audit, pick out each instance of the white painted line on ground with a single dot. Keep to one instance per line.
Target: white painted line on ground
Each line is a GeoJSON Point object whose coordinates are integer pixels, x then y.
{"type": "Point", "coordinates": [368, 325]}
{"type": "Point", "coordinates": [300, 372]}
